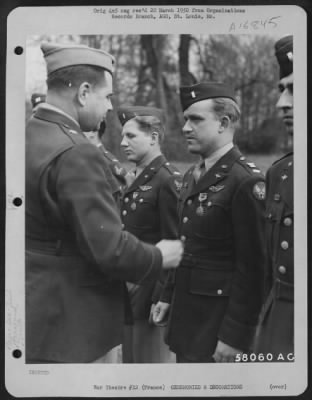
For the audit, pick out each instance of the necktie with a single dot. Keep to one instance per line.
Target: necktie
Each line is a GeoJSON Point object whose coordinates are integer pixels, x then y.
{"type": "Point", "coordinates": [199, 170]}
{"type": "Point", "coordinates": [130, 177]}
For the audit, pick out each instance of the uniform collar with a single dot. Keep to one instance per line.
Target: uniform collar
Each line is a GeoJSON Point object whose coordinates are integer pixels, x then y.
{"type": "Point", "coordinates": [54, 114]}
{"type": "Point", "coordinates": [148, 172]}
{"type": "Point", "coordinates": [217, 172]}
{"type": "Point", "coordinates": [214, 157]}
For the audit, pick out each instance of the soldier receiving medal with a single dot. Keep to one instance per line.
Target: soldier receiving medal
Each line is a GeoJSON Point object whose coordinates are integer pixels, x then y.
{"type": "Point", "coordinates": [215, 296]}
{"type": "Point", "coordinates": [149, 211]}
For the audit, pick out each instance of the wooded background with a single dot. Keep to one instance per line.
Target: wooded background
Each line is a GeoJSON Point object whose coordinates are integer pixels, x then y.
{"type": "Point", "coordinates": [151, 68]}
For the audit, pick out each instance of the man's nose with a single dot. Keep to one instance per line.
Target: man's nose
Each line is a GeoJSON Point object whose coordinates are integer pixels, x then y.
{"type": "Point", "coordinates": [124, 142]}
{"type": "Point", "coordinates": [285, 100]}
{"type": "Point", "coordinates": [186, 127]}
{"type": "Point", "coordinates": [109, 105]}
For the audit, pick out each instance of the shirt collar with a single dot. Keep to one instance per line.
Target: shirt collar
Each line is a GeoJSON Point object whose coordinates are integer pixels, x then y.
{"type": "Point", "coordinates": [214, 157]}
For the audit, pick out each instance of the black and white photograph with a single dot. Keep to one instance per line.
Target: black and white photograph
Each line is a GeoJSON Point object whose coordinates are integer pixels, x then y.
{"type": "Point", "coordinates": [156, 213]}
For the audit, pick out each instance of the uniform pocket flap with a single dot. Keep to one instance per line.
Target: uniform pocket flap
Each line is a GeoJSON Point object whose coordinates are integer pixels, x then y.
{"type": "Point", "coordinates": [211, 282]}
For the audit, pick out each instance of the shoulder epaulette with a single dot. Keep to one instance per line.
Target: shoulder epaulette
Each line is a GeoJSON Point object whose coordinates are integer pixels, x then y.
{"type": "Point", "coordinates": [75, 135]}
{"type": "Point", "coordinates": [282, 158]}
{"type": "Point", "coordinates": [173, 170]}
{"type": "Point", "coordinates": [250, 166]}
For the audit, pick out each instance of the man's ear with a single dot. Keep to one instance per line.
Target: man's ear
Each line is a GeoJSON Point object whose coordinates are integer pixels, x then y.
{"type": "Point", "coordinates": [83, 93]}
{"type": "Point", "coordinates": [224, 123]}
{"type": "Point", "coordinates": [155, 137]}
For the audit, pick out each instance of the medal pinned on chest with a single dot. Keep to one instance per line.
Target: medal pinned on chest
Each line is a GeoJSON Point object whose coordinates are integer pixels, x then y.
{"type": "Point", "coordinates": [133, 205]}
{"type": "Point", "coordinates": [200, 210]}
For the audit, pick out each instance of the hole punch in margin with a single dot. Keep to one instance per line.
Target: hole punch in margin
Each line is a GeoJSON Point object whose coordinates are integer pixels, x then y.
{"type": "Point", "coordinates": [17, 353]}
{"type": "Point", "coordinates": [18, 50]}
{"type": "Point", "coordinates": [17, 201]}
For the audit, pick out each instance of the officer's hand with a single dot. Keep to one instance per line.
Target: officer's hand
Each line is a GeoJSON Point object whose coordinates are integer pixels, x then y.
{"type": "Point", "coordinates": [172, 252]}
{"type": "Point", "coordinates": [159, 313]}
{"type": "Point", "coordinates": [225, 353]}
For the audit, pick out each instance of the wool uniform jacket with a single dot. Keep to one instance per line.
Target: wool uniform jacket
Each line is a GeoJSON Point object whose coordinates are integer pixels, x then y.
{"type": "Point", "coordinates": [149, 211]}
{"type": "Point", "coordinates": [218, 287]}
{"type": "Point", "coordinates": [77, 255]}
{"type": "Point", "coordinates": [277, 319]}
{"type": "Point", "coordinates": [118, 172]}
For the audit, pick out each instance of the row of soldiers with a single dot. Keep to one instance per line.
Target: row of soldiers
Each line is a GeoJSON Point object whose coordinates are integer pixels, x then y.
{"type": "Point", "coordinates": [189, 269]}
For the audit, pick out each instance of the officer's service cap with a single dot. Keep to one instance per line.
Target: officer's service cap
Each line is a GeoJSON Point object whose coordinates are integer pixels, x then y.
{"type": "Point", "coordinates": [284, 55]}
{"type": "Point", "coordinates": [37, 98]}
{"type": "Point", "coordinates": [60, 56]}
{"type": "Point", "coordinates": [203, 91]}
{"type": "Point", "coordinates": [127, 113]}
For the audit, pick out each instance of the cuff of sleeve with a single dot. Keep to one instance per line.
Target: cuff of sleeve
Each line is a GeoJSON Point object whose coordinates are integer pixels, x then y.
{"type": "Point", "coordinates": [236, 334]}
{"type": "Point", "coordinates": [157, 292]}
{"type": "Point", "coordinates": [166, 295]}
{"type": "Point", "coordinates": [155, 269]}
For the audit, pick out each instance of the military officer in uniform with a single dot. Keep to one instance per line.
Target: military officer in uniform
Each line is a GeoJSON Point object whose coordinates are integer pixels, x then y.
{"type": "Point", "coordinates": [149, 211]}
{"type": "Point", "coordinates": [77, 255]}
{"type": "Point", "coordinates": [276, 333]}
{"type": "Point", "coordinates": [118, 171]}
{"type": "Point", "coordinates": [217, 292]}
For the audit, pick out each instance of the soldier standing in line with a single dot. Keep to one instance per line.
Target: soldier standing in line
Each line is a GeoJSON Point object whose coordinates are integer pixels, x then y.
{"type": "Point", "coordinates": [276, 330]}
{"type": "Point", "coordinates": [77, 255]}
{"type": "Point", "coordinates": [149, 211]}
{"type": "Point", "coordinates": [217, 292]}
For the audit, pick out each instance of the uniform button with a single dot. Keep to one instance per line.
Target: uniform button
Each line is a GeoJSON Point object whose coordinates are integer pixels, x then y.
{"type": "Point", "coordinates": [287, 221]}
{"type": "Point", "coordinates": [185, 219]}
{"type": "Point", "coordinates": [124, 212]}
{"type": "Point", "coordinates": [183, 238]}
{"type": "Point", "coordinates": [224, 166]}
{"type": "Point", "coordinates": [284, 245]}
{"type": "Point", "coordinates": [209, 204]}
{"type": "Point", "coordinates": [242, 158]}
{"type": "Point", "coordinates": [189, 202]}
{"type": "Point", "coordinates": [282, 269]}
{"type": "Point", "coordinates": [219, 291]}
{"type": "Point", "coordinates": [123, 226]}
{"type": "Point", "coordinates": [277, 197]}
{"type": "Point", "coordinates": [126, 199]}
{"type": "Point", "coordinates": [141, 200]}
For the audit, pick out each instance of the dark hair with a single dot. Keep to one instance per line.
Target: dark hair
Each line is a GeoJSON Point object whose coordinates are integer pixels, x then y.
{"type": "Point", "coordinates": [150, 124]}
{"type": "Point", "coordinates": [74, 76]}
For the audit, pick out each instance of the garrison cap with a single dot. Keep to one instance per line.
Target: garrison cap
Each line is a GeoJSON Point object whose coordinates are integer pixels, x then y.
{"type": "Point", "coordinates": [284, 55]}
{"type": "Point", "coordinates": [127, 113]}
{"type": "Point", "coordinates": [203, 91]}
{"type": "Point", "coordinates": [60, 56]}
{"type": "Point", "coordinates": [37, 98]}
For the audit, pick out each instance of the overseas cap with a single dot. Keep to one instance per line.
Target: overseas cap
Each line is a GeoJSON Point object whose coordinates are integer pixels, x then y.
{"type": "Point", "coordinates": [37, 98]}
{"type": "Point", "coordinates": [202, 91]}
{"type": "Point", "coordinates": [284, 55]}
{"type": "Point", "coordinates": [127, 113]}
{"type": "Point", "coordinates": [61, 56]}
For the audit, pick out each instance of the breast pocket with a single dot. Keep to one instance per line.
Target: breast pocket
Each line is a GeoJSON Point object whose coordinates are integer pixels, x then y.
{"type": "Point", "coordinates": [212, 221]}
{"type": "Point", "coordinates": [211, 282]}
{"type": "Point", "coordinates": [145, 209]}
